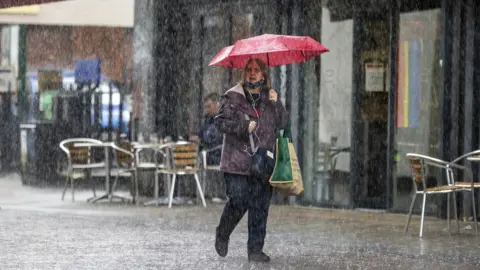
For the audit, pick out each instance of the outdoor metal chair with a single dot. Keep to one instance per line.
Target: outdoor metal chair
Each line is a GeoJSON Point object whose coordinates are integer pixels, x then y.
{"type": "Point", "coordinates": [125, 159]}
{"type": "Point", "coordinates": [184, 161]}
{"type": "Point", "coordinates": [419, 165]}
{"type": "Point", "coordinates": [326, 166]}
{"type": "Point", "coordinates": [147, 158]}
{"type": "Point", "coordinates": [468, 181]}
{"type": "Point", "coordinates": [205, 165]}
{"type": "Point", "coordinates": [471, 156]}
{"type": "Point", "coordinates": [79, 159]}
{"type": "Point", "coordinates": [208, 167]}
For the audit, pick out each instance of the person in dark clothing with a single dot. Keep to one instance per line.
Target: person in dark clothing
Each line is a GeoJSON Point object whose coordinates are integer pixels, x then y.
{"type": "Point", "coordinates": [209, 136]}
{"type": "Point", "coordinates": [251, 107]}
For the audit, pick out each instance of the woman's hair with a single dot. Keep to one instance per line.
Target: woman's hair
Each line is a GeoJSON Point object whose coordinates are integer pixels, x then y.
{"type": "Point", "coordinates": [264, 70]}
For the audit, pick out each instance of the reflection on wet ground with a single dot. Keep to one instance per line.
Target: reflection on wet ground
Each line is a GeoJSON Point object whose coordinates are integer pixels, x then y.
{"type": "Point", "coordinates": [38, 231]}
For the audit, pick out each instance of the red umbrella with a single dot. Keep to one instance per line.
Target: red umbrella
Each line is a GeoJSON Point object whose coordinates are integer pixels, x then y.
{"type": "Point", "coordinates": [274, 50]}
{"type": "Point", "coordinates": [16, 3]}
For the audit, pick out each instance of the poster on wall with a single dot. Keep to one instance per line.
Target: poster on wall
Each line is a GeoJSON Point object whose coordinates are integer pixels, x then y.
{"type": "Point", "coordinates": [49, 80]}
{"type": "Point", "coordinates": [374, 77]}
{"type": "Point", "coordinates": [23, 148]}
{"type": "Point", "coordinates": [49, 83]}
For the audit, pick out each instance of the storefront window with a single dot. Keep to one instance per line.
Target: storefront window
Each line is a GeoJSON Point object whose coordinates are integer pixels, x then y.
{"type": "Point", "coordinates": [335, 113]}
{"type": "Point", "coordinates": [418, 98]}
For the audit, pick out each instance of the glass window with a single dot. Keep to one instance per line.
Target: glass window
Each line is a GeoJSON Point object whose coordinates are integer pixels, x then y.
{"type": "Point", "coordinates": [5, 45]}
{"type": "Point", "coordinates": [417, 106]}
{"type": "Point", "coordinates": [335, 112]}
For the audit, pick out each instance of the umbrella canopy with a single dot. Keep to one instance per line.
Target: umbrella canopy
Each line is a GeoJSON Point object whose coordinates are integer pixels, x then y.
{"type": "Point", "coordinates": [274, 50]}
{"type": "Point", "coordinates": [16, 3]}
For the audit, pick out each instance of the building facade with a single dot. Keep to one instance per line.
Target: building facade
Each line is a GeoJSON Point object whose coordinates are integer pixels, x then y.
{"type": "Point", "coordinates": [399, 78]}
{"type": "Point", "coordinates": [423, 57]}
{"type": "Point", "coordinates": [54, 35]}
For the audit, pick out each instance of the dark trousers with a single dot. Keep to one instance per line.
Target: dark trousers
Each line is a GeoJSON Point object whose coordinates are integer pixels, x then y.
{"type": "Point", "coordinates": [246, 193]}
{"type": "Point", "coordinates": [215, 185]}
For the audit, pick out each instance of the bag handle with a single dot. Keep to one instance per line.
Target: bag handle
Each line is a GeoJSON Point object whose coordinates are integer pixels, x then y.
{"type": "Point", "coordinates": [287, 132]}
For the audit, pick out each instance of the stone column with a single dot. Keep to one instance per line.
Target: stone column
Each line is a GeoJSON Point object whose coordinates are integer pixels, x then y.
{"type": "Point", "coordinates": [161, 51]}
{"type": "Point", "coordinates": [145, 35]}
{"type": "Point", "coordinates": [144, 67]}
{"type": "Point", "coordinates": [172, 68]}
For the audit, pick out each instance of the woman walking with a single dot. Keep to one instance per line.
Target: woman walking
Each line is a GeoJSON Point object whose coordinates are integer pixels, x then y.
{"type": "Point", "coordinates": [249, 109]}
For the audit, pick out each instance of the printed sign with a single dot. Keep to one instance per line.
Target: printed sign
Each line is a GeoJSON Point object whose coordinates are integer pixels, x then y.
{"type": "Point", "coordinates": [23, 147]}
{"type": "Point", "coordinates": [374, 77]}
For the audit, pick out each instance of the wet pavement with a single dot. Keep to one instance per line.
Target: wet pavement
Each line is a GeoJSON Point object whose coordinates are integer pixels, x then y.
{"type": "Point", "coordinates": [38, 231]}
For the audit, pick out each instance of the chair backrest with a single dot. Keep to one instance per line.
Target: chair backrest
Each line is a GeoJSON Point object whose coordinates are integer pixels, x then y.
{"type": "Point", "coordinates": [419, 168]}
{"type": "Point", "coordinates": [205, 153]}
{"type": "Point", "coordinates": [458, 164]}
{"type": "Point", "coordinates": [184, 154]}
{"type": "Point", "coordinates": [78, 155]}
{"type": "Point", "coordinates": [124, 154]}
{"type": "Point", "coordinates": [461, 158]}
{"type": "Point", "coordinates": [148, 154]}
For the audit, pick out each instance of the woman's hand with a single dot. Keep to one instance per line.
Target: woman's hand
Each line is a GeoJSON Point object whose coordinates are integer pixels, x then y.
{"type": "Point", "coordinates": [251, 126]}
{"type": "Point", "coordinates": [272, 94]}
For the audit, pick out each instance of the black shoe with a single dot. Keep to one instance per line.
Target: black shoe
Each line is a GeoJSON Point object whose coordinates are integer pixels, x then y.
{"type": "Point", "coordinates": [221, 245]}
{"type": "Point", "coordinates": [258, 257]}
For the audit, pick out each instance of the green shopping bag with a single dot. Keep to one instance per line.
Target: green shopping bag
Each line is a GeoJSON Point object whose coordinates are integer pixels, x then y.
{"type": "Point", "coordinates": [286, 176]}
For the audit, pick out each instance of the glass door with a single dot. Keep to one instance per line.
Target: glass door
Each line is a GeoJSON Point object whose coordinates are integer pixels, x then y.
{"type": "Point", "coordinates": [373, 39]}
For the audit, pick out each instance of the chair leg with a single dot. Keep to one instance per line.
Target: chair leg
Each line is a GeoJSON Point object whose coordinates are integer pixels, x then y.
{"type": "Point", "coordinates": [66, 186]}
{"type": "Point", "coordinates": [202, 177]}
{"type": "Point", "coordinates": [199, 186]}
{"type": "Point", "coordinates": [113, 187]}
{"type": "Point", "coordinates": [204, 181]}
{"type": "Point", "coordinates": [169, 182]}
{"type": "Point", "coordinates": [156, 186]}
{"type": "Point", "coordinates": [410, 212]}
{"type": "Point", "coordinates": [73, 189]}
{"type": "Point", "coordinates": [93, 184]}
{"type": "Point", "coordinates": [133, 191]}
{"type": "Point", "coordinates": [137, 192]}
{"type": "Point", "coordinates": [423, 213]}
{"type": "Point", "coordinates": [448, 213]}
{"type": "Point", "coordinates": [172, 189]}
{"type": "Point", "coordinates": [455, 211]}
{"type": "Point", "coordinates": [474, 211]}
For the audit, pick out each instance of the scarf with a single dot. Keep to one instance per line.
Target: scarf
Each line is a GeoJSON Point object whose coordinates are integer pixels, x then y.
{"type": "Point", "coordinates": [253, 85]}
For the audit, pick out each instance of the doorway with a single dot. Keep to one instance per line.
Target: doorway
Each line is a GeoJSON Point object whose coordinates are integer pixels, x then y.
{"type": "Point", "coordinates": [373, 39]}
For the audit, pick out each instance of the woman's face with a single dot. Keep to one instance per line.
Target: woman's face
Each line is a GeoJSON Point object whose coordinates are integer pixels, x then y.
{"type": "Point", "coordinates": [253, 72]}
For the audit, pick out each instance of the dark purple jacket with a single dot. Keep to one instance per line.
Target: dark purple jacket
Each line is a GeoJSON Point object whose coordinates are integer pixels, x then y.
{"type": "Point", "coordinates": [232, 122]}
